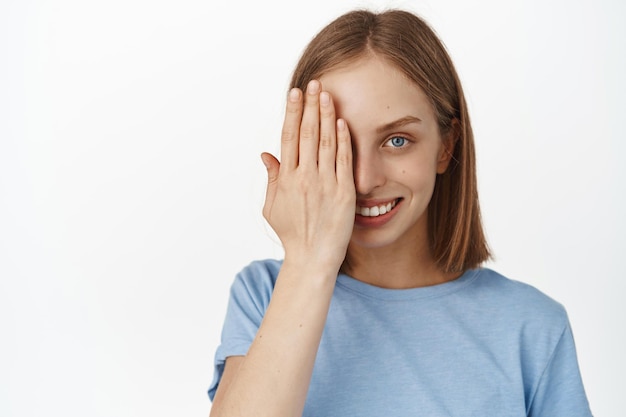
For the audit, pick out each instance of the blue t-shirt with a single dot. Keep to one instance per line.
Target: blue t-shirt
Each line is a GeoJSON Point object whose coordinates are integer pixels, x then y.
{"type": "Point", "coordinates": [481, 345]}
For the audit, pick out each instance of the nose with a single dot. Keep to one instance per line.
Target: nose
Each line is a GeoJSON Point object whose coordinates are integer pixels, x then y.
{"type": "Point", "coordinates": [368, 173]}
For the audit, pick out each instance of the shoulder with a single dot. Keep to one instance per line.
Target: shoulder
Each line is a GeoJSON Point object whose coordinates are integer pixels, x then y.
{"type": "Point", "coordinates": [255, 282]}
{"type": "Point", "coordinates": [515, 293]}
{"type": "Point", "coordinates": [536, 327]}
{"type": "Point", "coordinates": [519, 300]}
{"type": "Point", "coordinates": [260, 271]}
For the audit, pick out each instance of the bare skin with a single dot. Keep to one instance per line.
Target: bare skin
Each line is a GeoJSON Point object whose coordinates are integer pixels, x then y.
{"type": "Point", "coordinates": [310, 203]}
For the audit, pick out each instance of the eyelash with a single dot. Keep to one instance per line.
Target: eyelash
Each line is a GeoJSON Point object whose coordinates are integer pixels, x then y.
{"type": "Point", "coordinates": [404, 143]}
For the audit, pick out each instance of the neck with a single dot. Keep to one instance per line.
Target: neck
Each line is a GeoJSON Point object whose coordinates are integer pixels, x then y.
{"type": "Point", "coordinates": [397, 266]}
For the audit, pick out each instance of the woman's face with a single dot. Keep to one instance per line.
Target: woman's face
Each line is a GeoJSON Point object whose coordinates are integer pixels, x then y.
{"type": "Point", "coordinates": [398, 151]}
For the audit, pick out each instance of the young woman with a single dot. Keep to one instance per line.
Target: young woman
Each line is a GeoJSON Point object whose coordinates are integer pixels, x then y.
{"type": "Point", "coordinates": [380, 306]}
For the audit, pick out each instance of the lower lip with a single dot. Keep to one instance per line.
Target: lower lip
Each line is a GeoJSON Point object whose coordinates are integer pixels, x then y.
{"type": "Point", "coordinates": [377, 221]}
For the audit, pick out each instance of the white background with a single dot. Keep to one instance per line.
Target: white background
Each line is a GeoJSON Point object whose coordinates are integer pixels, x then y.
{"type": "Point", "coordinates": [131, 184]}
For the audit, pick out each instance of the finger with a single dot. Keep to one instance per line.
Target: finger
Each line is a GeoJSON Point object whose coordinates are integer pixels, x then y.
{"type": "Point", "coordinates": [309, 129]}
{"type": "Point", "coordinates": [345, 174]}
{"type": "Point", "coordinates": [291, 130]}
{"type": "Point", "coordinates": [273, 167]}
{"type": "Point", "coordinates": [328, 137]}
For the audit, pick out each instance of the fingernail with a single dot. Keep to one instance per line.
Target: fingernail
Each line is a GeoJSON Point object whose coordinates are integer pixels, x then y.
{"type": "Point", "coordinates": [313, 87]}
{"type": "Point", "coordinates": [341, 124]}
{"type": "Point", "coordinates": [294, 95]}
{"type": "Point", "coordinates": [324, 98]}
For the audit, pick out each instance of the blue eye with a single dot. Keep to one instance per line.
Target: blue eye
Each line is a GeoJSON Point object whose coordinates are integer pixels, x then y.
{"type": "Point", "coordinates": [397, 141]}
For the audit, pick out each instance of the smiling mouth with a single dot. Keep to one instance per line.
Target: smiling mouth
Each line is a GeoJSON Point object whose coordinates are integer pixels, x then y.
{"type": "Point", "coordinates": [377, 210]}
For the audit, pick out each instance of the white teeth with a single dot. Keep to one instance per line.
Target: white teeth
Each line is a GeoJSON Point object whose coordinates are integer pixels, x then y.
{"type": "Point", "coordinates": [376, 210]}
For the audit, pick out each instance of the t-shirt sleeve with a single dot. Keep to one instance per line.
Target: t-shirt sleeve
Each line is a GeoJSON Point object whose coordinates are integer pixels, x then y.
{"type": "Point", "coordinates": [560, 392]}
{"type": "Point", "coordinates": [249, 297]}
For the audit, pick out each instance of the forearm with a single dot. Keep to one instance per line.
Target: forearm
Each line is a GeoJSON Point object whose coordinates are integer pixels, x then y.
{"type": "Point", "coordinates": [310, 203]}
{"type": "Point", "coordinates": [274, 377]}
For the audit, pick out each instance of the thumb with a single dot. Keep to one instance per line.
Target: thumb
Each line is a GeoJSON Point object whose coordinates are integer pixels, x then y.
{"type": "Point", "coordinates": [273, 166]}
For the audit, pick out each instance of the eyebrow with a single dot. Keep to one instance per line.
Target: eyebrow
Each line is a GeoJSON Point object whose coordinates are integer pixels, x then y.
{"type": "Point", "coordinates": [398, 123]}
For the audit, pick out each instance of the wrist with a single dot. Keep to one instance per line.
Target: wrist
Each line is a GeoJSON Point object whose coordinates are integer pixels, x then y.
{"type": "Point", "coordinates": [307, 267]}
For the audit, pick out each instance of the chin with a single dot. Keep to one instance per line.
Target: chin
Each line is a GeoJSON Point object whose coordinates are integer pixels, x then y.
{"type": "Point", "coordinates": [372, 240]}
{"type": "Point", "coordinates": [399, 235]}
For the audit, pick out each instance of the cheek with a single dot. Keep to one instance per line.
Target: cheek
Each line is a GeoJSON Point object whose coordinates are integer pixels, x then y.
{"type": "Point", "coordinates": [417, 179]}
{"type": "Point", "coordinates": [415, 169]}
